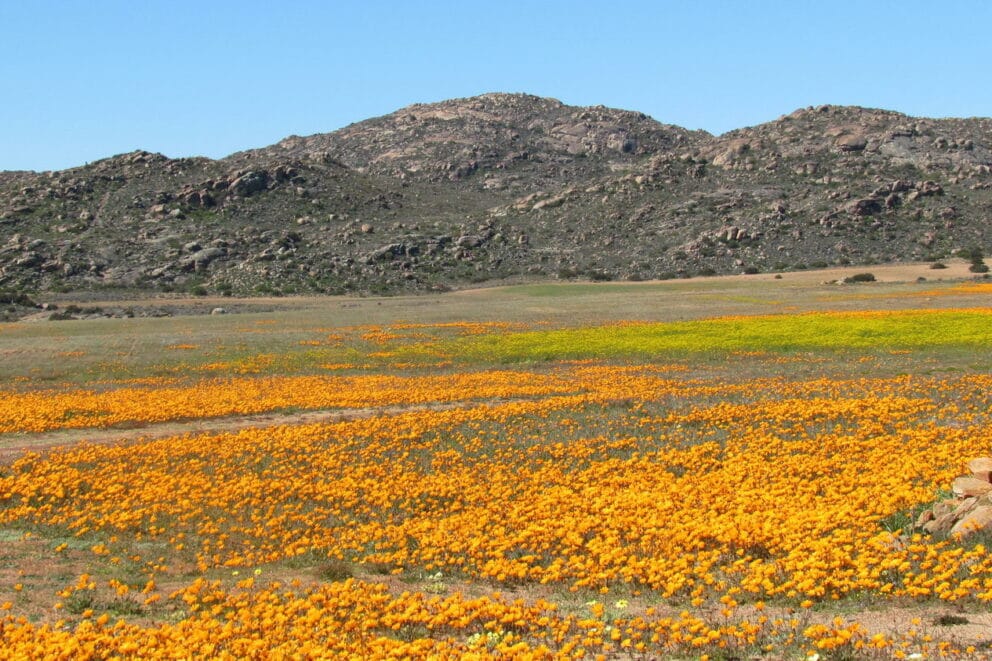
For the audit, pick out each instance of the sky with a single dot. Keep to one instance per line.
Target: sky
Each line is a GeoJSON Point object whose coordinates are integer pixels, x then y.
{"type": "Point", "coordinates": [87, 79]}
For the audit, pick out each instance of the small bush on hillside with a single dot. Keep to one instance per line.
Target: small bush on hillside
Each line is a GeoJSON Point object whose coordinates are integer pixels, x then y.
{"type": "Point", "coordinates": [977, 258]}
{"type": "Point", "coordinates": [860, 277]}
{"type": "Point", "coordinates": [335, 570]}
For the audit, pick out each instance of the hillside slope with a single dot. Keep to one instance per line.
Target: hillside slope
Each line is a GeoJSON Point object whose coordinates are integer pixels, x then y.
{"type": "Point", "coordinates": [500, 186]}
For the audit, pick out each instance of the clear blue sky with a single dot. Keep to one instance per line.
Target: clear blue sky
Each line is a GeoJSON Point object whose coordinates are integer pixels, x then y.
{"type": "Point", "coordinates": [87, 79]}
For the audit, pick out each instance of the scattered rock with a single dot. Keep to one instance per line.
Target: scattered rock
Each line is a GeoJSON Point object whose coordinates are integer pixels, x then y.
{"type": "Point", "coordinates": [851, 142]}
{"type": "Point", "coordinates": [249, 183]}
{"type": "Point", "coordinates": [864, 207]}
{"type": "Point", "coordinates": [970, 510]}
{"type": "Point", "coordinates": [964, 487]}
{"type": "Point", "coordinates": [468, 241]}
{"type": "Point", "coordinates": [976, 520]}
{"type": "Point", "coordinates": [201, 259]}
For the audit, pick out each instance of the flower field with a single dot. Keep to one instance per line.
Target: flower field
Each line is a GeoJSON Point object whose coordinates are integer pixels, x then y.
{"type": "Point", "coordinates": [727, 488]}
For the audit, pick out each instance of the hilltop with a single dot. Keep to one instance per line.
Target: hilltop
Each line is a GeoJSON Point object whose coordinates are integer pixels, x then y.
{"type": "Point", "coordinates": [501, 187]}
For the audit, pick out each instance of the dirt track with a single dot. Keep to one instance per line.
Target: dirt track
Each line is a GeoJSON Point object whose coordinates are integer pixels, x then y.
{"type": "Point", "coordinates": [13, 446]}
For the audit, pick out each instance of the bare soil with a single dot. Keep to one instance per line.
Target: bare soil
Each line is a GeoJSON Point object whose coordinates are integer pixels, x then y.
{"type": "Point", "coordinates": [13, 446]}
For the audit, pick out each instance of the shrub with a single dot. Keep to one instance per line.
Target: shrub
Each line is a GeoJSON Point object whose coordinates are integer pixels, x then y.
{"type": "Point", "coordinates": [949, 619]}
{"type": "Point", "coordinates": [938, 265]}
{"type": "Point", "coordinates": [860, 277]}
{"type": "Point", "coordinates": [599, 276]}
{"type": "Point", "coordinates": [16, 298]}
{"type": "Point", "coordinates": [335, 570]}
{"type": "Point", "coordinates": [977, 258]}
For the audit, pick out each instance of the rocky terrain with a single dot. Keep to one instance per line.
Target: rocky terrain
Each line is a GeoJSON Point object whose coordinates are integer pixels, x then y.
{"type": "Point", "coordinates": [504, 186]}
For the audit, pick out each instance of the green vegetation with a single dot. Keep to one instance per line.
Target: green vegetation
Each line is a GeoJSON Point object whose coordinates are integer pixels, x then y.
{"type": "Point", "coordinates": [775, 333]}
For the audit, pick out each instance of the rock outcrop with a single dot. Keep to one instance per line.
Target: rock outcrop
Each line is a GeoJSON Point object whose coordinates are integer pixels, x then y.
{"type": "Point", "coordinates": [970, 510]}
{"type": "Point", "coordinates": [500, 186]}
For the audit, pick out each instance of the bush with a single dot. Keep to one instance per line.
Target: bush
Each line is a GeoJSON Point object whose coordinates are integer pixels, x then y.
{"type": "Point", "coordinates": [16, 298]}
{"type": "Point", "coordinates": [335, 570]}
{"type": "Point", "coordinates": [938, 265]}
{"type": "Point", "coordinates": [860, 277]}
{"type": "Point", "coordinates": [977, 258]}
{"type": "Point", "coordinates": [599, 276]}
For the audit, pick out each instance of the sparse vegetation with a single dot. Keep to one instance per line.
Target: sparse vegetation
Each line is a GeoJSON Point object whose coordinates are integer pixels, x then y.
{"type": "Point", "coordinates": [333, 215]}
{"type": "Point", "coordinates": [977, 258]}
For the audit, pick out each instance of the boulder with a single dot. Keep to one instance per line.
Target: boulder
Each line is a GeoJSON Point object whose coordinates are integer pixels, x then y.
{"type": "Point", "coordinates": [978, 520]}
{"type": "Point", "coordinates": [468, 241]}
{"type": "Point", "coordinates": [735, 149]}
{"type": "Point", "coordinates": [201, 259]}
{"type": "Point", "coordinates": [927, 188]}
{"type": "Point", "coordinates": [29, 260]}
{"type": "Point", "coordinates": [941, 524]}
{"type": "Point", "coordinates": [864, 207]}
{"type": "Point", "coordinates": [250, 183]}
{"type": "Point", "coordinates": [851, 142]}
{"type": "Point", "coordinates": [981, 467]}
{"type": "Point", "coordinates": [966, 487]}
{"type": "Point", "coordinates": [388, 251]}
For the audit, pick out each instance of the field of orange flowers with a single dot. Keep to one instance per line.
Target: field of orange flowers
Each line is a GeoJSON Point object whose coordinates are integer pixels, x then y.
{"type": "Point", "coordinates": [755, 501]}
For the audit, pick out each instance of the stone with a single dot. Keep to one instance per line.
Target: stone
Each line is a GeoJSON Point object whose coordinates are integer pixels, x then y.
{"type": "Point", "coordinates": [249, 183]}
{"type": "Point", "coordinates": [864, 207]}
{"type": "Point", "coordinates": [468, 241]}
{"type": "Point", "coordinates": [735, 149]}
{"type": "Point", "coordinates": [978, 520]}
{"type": "Point", "coordinates": [388, 251]}
{"type": "Point", "coordinates": [199, 260]}
{"type": "Point", "coordinates": [970, 486]}
{"type": "Point", "coordinates": [851, 142]}
{"type": "Point", "coordinates": [29, 260]}
{"type": "Point", "coordinates": [941, 524]}
{"type": "Point", "coordinates": [964, 506]}
{"type": "Point", "coordinates": [929, 188]}
{"type": "Point", "coordinates": [980, 467]}
{"type": "Point", "coordinates": [943, 507]}
{"type": "Point", "coordinates": [218, 311]}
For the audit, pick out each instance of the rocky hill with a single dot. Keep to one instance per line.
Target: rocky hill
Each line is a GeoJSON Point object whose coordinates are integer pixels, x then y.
{"type": "Point", "coordinates": [504, 186]}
